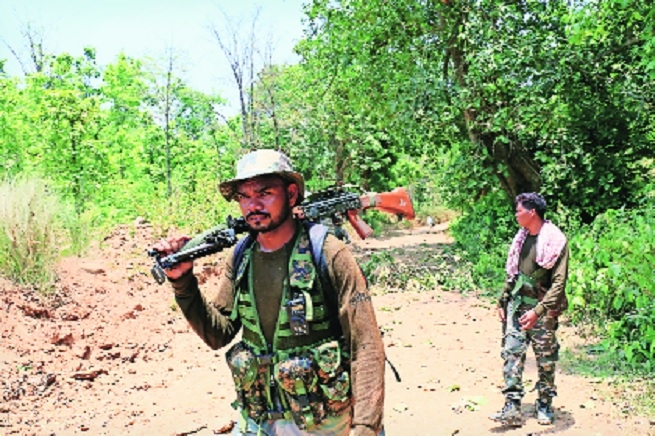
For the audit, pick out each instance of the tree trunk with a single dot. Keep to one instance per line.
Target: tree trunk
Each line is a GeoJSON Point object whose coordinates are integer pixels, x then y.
{"type": "Point", "coordinates": [523, 173]}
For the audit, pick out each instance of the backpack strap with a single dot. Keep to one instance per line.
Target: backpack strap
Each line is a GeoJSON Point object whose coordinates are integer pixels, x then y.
{"type": "Point", "coordinates": [317, 235]}
{"type": "Point", "coordinates": [240, 250]}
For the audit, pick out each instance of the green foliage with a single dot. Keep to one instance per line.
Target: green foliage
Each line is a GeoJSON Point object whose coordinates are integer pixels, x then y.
{"type": "Point", "coordinates": [483, 235]}
{"type": "Point", "coordinates": [530, 96]}
{"type": "Point", "coordinates": [80, 231]}
{"type": "Point", "coordinates": [611, 282]}
{"type": "Point", "coordinates": [193, 211]}
{"type": "Point", "coordinates": [100, 139]}
{"type": "Point", "coordinates": [30, 232]}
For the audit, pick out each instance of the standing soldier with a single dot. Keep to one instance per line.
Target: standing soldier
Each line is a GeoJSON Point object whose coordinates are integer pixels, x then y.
{"type": "Point", "coordinates": [532, 299]}
{"type": "Point", "coordinates": [311, 359]}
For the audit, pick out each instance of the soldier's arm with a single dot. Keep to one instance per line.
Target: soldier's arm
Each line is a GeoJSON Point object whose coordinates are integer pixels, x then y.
{"type": "Point", "coordinates": [362, 334]}
{"type": "Point", "coordinates": [559, 275]}
{"type": "Point", "coordinates": [209, 319]}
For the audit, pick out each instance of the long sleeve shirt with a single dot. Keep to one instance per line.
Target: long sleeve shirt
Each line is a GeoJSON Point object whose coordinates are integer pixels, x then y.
{"type": "Point", "coordinates": [209, 318]}
{"type": "Point", "coordinates": [551, 286]}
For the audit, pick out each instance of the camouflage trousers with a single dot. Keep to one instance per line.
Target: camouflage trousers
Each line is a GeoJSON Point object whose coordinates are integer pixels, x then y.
{"type": "Point", "coordinates": [515, 347]}
{"type": "Point", "coordinates": [332, 426]}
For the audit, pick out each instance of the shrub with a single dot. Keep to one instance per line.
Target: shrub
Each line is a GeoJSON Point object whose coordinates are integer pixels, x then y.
{"type": "Point", "coordinates": [29, 232]}
{"type": "Point", "coordinates": [194, 211]}
{"type": "Point", "coordinates": [611, 281]}
{"type": "Point", "coordinates": [483, 235]}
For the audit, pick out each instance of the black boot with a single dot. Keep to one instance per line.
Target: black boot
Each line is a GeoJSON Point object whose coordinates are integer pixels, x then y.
{"type": "Point", "coordinates": [543, 409]}
{"type": "Point", "coordinates": [510, 415]}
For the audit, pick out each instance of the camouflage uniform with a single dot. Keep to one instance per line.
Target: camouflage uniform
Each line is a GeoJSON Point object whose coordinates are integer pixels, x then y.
{"type": "Point", "coordinates": [332, 426]}
{"type": "Point", "coordinates": [547, 298]}
{"type": "Point", "coordinates": [546, 349]}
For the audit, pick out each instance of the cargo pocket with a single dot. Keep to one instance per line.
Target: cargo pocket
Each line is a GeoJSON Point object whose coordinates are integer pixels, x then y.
{"type": "Point", "coordinates": [298, 382]}
{"type": "Point", "coordinates": [248, 379]}
{"type": "Point", "coordinates": [333, 376]}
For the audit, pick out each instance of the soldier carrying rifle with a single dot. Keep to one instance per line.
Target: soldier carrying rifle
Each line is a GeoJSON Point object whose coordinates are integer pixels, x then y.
{"type": "Point", "coordinates": [311, 359]}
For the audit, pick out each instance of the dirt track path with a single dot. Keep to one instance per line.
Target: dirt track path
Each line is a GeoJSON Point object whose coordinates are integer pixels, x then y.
{"type": "Point", "coordinates": [146, 373]}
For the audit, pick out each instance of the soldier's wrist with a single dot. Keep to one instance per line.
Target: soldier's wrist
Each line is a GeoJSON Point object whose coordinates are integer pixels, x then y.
{"type": "Point", "coordinates": [185, 285]}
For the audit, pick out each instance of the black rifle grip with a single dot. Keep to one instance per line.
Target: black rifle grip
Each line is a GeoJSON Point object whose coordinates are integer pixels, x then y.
{"type": "Point", "coordinates": [158, 273]}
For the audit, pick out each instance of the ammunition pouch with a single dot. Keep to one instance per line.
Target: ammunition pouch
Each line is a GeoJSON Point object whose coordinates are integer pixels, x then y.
{"type": "Point", "coordinates": [249, 380]}
{"type": "Point", "coordinates": [298, 381]}
{"type": "Point", "coordinates": [333, 377]}
{"type": "Point", "coordinates": [313, 383]}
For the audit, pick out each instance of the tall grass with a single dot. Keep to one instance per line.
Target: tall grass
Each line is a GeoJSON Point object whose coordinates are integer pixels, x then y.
{"type": "Point", "coordinates": [29, 232]}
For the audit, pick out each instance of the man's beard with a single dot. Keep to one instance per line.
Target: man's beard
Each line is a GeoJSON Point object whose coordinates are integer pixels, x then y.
{"type": "Point", "coordinates": [273, 223]}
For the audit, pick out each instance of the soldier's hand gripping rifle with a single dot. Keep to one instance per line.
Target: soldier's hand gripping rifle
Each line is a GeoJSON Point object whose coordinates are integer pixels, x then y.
{"type": "Point", "coordinates": [330, 202]}
{"type": "Point", "coordinates": [338, 200]}
{"type": "Point", "coordinates": [209, 242]}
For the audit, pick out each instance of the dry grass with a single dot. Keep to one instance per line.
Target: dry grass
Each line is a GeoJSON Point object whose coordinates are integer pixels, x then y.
{"type": "Point", "coordinates": [29, 232]}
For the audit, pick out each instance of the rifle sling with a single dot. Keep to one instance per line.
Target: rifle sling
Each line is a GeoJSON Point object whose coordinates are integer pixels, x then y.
{"type": "Point", "coordinates": [527, 280]}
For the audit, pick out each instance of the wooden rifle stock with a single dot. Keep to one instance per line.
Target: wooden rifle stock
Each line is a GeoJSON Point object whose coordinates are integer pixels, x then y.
{"type": "Point", "coordinates": [396, 202]}
{"type": "Point", "coordinates": [360, 226]}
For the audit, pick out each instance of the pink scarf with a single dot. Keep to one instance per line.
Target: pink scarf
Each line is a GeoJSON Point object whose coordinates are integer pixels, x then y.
{"type": "Point", "coordinates": [550, 242]}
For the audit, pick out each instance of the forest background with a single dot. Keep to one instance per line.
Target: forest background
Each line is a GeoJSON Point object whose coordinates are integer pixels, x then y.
{"type": "Point", "coordinates": [465, 103]}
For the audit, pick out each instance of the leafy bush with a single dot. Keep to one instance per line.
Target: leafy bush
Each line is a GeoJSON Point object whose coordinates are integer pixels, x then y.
{"type": "Point", "coordinates": [483, 235]}
{"type": "Point", "coordinates": [30, 232]}
{"type": "Point", "coordinates": [612, 280]}
{"type": "Point", "coordinates": [81, 229]}
{"type": "Point", "coordinates": [194, 211]}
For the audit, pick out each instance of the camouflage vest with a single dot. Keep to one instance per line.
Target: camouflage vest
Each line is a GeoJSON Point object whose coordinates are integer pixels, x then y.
{"type": "Point", "coordinates": [303, 375]}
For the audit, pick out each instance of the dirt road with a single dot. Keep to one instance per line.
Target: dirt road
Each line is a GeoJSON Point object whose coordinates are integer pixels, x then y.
{"type": "Point", "coordinates": [114, 356]}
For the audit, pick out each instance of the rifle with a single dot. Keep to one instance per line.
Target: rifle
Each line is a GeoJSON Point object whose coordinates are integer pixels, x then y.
{"type": "Point", "coordinates": [209, 242]}
{"type": "Point", "coordinates": [336, 201]}
{"type": "Point", "coordinates": [331, 202]}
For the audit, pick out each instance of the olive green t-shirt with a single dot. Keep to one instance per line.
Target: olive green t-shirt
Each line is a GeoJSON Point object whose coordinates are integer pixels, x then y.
{"type": "Point", "coordinates": [270, 270]}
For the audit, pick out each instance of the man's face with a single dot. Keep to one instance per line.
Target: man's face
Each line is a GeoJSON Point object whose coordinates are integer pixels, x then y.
{"type": "Point", "coordinates": [265, 202]}
{"type": "Point", "coordinates": [524, 216]}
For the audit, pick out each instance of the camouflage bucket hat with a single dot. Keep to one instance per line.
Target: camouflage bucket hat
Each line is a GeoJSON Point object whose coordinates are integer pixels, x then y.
{"type": "Point", "coordinates": [261, 163]}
